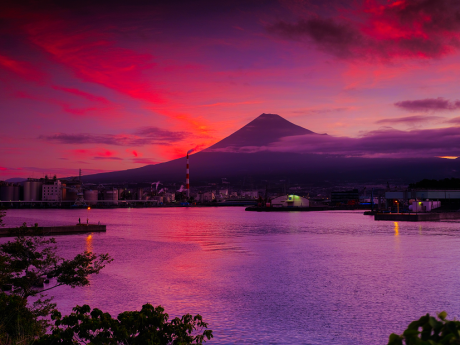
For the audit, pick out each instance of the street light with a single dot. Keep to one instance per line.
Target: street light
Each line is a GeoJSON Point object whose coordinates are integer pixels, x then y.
{"type": "Point", "coordinates": [87, 216]}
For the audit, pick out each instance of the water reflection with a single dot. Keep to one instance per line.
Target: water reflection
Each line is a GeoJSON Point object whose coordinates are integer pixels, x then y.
{"type": "Point", "coordinates": [89, 243]}
{"type": "Point", "coordinates": [331, 275]}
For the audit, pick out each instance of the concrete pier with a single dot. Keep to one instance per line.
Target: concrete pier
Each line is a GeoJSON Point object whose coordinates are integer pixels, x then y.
{"type": "Point", "coordinates": [284, 209]}
{"type": "Point", "coordinates": [56, 230]}
{"type": "Point", "coordinates": [417, 217]}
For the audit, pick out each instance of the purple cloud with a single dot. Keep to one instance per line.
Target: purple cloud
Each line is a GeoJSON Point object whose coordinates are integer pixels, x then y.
{"type": "Point", "coordinates": [336, 38]}
{"type": "Point", "coordinates": [108, 158]}
{"type": "Point", "coordinates": [455, 120]}
{"type": "Point", "coordinates": [429, 104]}
{"type": "Point", "coordinates": [409, 119]}
{"type": "Point", "coordinates": [388, 143]}
{"type": "Point", "coordinates": [143, 136]}
{"type": "Point", "coordinates": [161, 134]}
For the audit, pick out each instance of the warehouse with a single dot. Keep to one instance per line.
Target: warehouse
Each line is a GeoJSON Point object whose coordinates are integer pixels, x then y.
{"type": "Point", "coordinates": [290, 201]}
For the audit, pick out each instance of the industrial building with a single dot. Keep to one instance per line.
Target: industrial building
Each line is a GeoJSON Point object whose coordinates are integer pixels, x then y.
{"type": "Point", "coordinates": [450, 199]}
{"type": "Point", "coordinates": [254, 194]}
{"type": "Point", "coordinates": [206, 197]}
{"type": "Point", "coordinates": [349, 197]}
{"type": "Point", "coordinates": [52, 192]}
{"type": "Point", "coordinates": [290, 201]}
{"type": "Point", "coordinates": [111, 196]}
{"type": "Point", "coordinates": [91, 197]}
{"type": "Point", "coordinates": [32, 190]}
{"type": "Point", "coordinates": [9, 192]}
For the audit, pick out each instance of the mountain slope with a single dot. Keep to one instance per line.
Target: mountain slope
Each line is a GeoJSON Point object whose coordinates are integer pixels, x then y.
{"type": "Point", "coordinates": [223, 159]}
{"type": "Point", "coordinates": [263, 130]}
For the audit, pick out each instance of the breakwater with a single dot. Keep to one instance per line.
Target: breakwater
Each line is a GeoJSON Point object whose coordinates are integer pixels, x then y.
{"type": "Point", "coordinates": [417, 217]}
{"type": "Point", "coordinates": [284, 209]}
{"type": "Point", "coordinates": [55, 230]}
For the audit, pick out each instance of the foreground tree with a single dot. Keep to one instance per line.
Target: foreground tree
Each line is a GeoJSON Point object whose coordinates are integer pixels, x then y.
{"type": "Point", "coordinates": [30, 261]}
{"type": "Point", "coordinates": [26, 264]}
{"type": "Point", "coordinates": [429, 331]}
{"type": "Point", "coordinates": [148, 326]}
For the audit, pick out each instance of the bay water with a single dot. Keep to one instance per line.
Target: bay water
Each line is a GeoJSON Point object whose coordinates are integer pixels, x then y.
{"type": "Point", "coordinates": [330, 277]}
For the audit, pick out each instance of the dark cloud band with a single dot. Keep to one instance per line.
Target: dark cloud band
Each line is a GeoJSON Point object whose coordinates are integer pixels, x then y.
{"type": "Point", "coordinates": [399, 29]}
{"type": "Point", "coordinates": [382, 143]}
{"type": "Point", "coordinates": [429, 104]}
{"type": "Point", "coordinates": [143, 136]}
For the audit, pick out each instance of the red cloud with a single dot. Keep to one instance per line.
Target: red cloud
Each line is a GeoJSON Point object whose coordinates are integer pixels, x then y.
{"type": "Point", "coordinates": [67, 107]}
{"type": "Point", "coordinates": [82, 152]}
{"type": "Point", "coordinates": [106, 153]}
{"type": "Point", "coordinates": [144, 161]}
{"type": "Point", "coordinates": [94, 57]}
{"type": "Point", "coordinates": [23, 69]}
{"type": "Point", "coordinates": [83, 94]}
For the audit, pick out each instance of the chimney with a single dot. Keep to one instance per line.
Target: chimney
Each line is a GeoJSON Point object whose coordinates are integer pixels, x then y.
{"type": "Point", "coordinates": [187, 179]}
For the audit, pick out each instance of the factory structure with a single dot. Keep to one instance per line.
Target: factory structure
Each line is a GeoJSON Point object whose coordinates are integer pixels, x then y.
{"type": "Point", "coordinates": [72, 192]}
{"type": "Point", "coordinates": [55, 192]}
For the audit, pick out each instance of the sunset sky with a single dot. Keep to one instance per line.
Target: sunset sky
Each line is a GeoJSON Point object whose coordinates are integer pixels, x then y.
{"type": "Point", "coordinates": [112, 85]}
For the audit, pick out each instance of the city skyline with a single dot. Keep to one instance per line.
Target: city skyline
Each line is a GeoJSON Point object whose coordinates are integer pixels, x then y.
{"type": "Point", "coordinates": [114, 85]}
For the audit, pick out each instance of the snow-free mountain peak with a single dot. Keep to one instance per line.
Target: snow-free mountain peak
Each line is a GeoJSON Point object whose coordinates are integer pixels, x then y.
{"type": "Point", "coordinates": [263, 130]}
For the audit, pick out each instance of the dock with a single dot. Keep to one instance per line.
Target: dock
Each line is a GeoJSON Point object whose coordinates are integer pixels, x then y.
{"type": "Point", "coordinates": [284, 209]}
{"type": "Point", "coordinates": [417, 217]}
{"type": "Point", "coordinates": [56, 230]}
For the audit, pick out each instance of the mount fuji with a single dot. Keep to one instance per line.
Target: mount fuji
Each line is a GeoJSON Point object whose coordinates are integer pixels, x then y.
{"type": "Point", "coordinates": [254, 151]}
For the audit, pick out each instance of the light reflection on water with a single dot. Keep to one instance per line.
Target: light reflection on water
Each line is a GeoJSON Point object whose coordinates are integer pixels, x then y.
{"type": "Point", "coordinates": [280, 278]}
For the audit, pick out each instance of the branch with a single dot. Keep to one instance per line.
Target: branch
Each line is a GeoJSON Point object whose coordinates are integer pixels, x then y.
{"type": "Point", "coordinates": [37, 292]}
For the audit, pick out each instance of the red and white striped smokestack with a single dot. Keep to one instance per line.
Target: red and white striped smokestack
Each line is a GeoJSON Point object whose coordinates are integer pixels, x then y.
{"type": "Point", "coordinates": [187, 179]}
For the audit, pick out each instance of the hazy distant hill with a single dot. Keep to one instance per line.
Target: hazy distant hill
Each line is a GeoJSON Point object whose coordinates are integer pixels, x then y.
{"type": "Point", "coordinates": [16, 179]}
{"type": "Point", "coordinates": [225, 159]}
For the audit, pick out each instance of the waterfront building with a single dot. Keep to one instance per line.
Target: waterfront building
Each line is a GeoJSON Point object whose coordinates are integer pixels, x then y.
{"type": "Point", "coordinates": [254, 194]}
{"type": "Point", "coordinates": [111, 196]}
{"type": "Point", "coordinates": [52, 192]}
{"type": "Point", "coordinates": [207, 197]}
{"type": "Point", "coordinates": [423, 206]}
{"type": "Point", "coordinates": [169, 197]}
{"type": "Point", "coordinates": [290, 201]}
{"type": "Point", "coordinates": [32, 190]}
{"type": "Point", "coordinates": [9, 192]}
{"type": "Point", "coordinates": [349, 197]}
{"type": "Point", "coordinates": [450, 198]}
{"type": "Point", "coordinates": [158, 198]}
{"type": "Point", "coordinates": [91, 196]}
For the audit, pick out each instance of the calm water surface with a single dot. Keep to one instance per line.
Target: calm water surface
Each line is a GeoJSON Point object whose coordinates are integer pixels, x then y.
{"type": "Point", "coordinates": [266, 278]}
